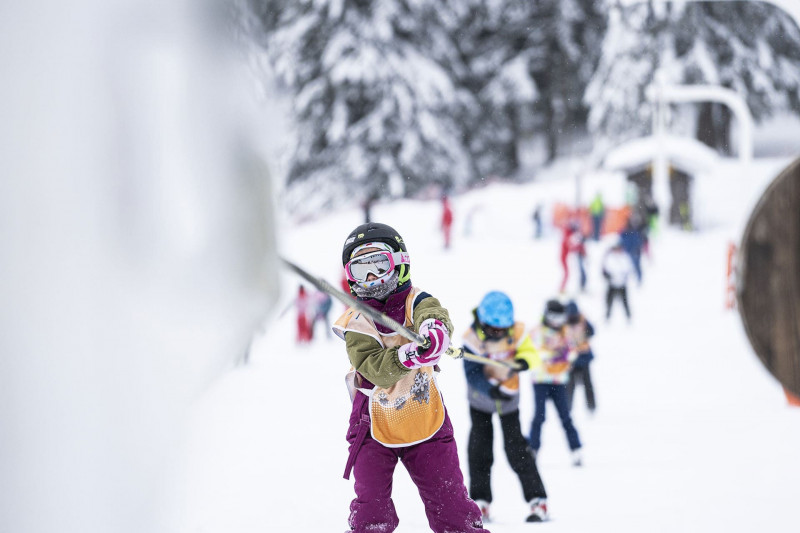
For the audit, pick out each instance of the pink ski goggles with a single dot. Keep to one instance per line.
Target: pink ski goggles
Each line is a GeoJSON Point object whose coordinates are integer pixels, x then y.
{"type": "Point", "coordinates": [377, 263]}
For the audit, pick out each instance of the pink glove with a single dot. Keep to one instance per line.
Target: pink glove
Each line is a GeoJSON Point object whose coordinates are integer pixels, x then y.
{"type": "Point", "coordinates": [412, 356]}
{"type": "Point", "coordinates": [437, 334]}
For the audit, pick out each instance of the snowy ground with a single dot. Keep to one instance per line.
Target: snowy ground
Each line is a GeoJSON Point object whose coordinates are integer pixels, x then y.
{"type": "Point", "coordinates": [691, 432]}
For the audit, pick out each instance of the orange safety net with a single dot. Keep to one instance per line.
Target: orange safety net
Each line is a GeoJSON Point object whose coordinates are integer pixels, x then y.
{"type": "Point", "coordinates": [614, 221]}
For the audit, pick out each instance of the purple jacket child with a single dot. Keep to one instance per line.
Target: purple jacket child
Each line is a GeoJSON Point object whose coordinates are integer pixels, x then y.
{"type": "Point", "coordinates": [398, 413]}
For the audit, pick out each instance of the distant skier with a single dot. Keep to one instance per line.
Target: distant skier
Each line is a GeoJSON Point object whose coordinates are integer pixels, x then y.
{"type": "Point", "coordinates": [537, 222]}
{"type": "Point", "coordinates": [633, 241]}
{"type": "Point", "coordinates": [617, 268]}
{"type": "Point", "coordinates": [447, 221]}
{"type": "Point", "coordinates": [651, 212]}
{"type": "Point", "coordinates": [572, 243]}
{"type": "Point", "coordinates": [494, 334]}
{"type": "Point", "coordinates": [398, 412]}
{"type": "Point", "coordinates": [303, 306]}
{"type": "Point", "coordinates": [579, 331]}
{"type": "Point", "coordinates": [597, 210]}
{"type": "Point", "coordinates": [550, 377]}
{"type": "Point", "coordinates": [322, 308]}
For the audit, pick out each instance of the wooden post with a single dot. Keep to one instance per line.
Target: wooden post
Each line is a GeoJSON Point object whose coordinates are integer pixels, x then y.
{"type": "Point", "coordinates": [768, 274]}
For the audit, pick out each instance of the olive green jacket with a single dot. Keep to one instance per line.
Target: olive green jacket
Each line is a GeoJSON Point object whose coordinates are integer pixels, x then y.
{"type": "Point", "coordinates": [377, 360]}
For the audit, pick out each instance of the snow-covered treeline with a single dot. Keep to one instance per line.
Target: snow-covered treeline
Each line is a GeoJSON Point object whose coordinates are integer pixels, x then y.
{"type": "Point", "coordinates": [393, 99]}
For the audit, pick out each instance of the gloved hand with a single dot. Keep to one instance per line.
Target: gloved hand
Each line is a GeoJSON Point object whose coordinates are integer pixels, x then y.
{"type": "Point", "coordinates": [436, 332]}
{"type": "Point", "coordinates": [496, 394]}
{"type": "Point", "coordinates": [522, 365]}
{"type": "Point", "coordinates": [411, 358]}
{"type": "Point", "coordinates": [411, 355]}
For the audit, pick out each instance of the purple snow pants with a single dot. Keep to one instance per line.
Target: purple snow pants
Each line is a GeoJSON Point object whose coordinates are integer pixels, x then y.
{"type": "Point", "coordinates": [433, 467]}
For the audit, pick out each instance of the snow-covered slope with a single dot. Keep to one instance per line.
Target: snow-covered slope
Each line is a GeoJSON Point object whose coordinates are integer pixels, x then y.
{"type": "Point", "coordinates": [691, 432]}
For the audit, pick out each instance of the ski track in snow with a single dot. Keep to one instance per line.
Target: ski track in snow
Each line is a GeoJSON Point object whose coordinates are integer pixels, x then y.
{"type": "Point", "coordinates": [691, 432]}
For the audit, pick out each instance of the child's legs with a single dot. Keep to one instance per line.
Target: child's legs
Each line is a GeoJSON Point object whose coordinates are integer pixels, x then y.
{"type": "Point", "coordinates": [609, 300]}
{"type": "Point", "coordinates": [434, 469]}
{"type": "Point", "coordinates": [573, 377]}
{"type": "Point", "coordinates": [480, 456]}
{"type": "Point", "coordinates": [565, 268]}
{"type": "Point", "coordinates": [304, 328]}
{"type": "Point", "coordinates": [637, 265]}
{"type": "Point", "coordinates": [559, 395]}
{"type": "Point", "coordinates": [588, 388]}
{"type": "Point", "coordinates": [519, 457]}
{"type": "Point", "coordinates": [623, 294]}
{"type": "Point", "coordinates": [372, 509]}
{"type": "Point", "coordinates": [540, 396]}
{"type": "Point", "coordinates": [578, 375]}
{"type": "Point", "coordinates": [583, 272]}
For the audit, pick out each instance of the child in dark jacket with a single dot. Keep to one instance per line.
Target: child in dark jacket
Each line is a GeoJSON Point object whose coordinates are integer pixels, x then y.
{"type": "Point", "coordinates": [398, 413]}
{"type": "Point", "coordinates": [578, 331]}
{"type": "Point", "coordinates": [496, 336]}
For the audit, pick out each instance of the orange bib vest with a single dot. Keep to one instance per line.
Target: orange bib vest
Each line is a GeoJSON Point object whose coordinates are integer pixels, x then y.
{"type": "Point", "coordinates": [504, 349]}
{"type": "Point", "coordinates": [410, 411]}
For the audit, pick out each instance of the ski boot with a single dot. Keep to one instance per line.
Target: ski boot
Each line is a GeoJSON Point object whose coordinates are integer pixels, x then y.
{"type": "Point", "coordinates": [538, 510]}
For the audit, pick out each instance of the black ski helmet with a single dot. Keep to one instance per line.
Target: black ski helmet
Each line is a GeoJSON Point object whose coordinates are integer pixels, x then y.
{"type": "Point", "coordinates": [375, 231]}
{"type": "Point", "coordinates": [555, 314]}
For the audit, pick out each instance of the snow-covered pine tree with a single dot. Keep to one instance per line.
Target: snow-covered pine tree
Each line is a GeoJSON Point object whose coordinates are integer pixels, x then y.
{"type": "Point", "coordinates": [629, 58]}
{"type": "Point", "coordinates": [750, 47]}
{"type": "Point", "coordinates": [372, 111]}
{"type": "Point", "coordinates": [487, 58]}
{"type": "Point", "coordinates": [566, 37]}
{"type": "Point", "coordinates": [755, 49]}
{"type": "Point", "coordinates": [521, 63]}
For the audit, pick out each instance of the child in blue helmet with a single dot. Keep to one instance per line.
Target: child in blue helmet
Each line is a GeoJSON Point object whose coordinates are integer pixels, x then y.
{"type": "Point", "coordinates": [491, 389]}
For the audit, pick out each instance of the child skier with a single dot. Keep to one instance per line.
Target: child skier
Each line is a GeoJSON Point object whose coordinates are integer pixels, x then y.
{"type": "Point", "coordinates": [572, 242]}
{"type": "Point", "coordinates": [447, 221]}
{"type": "Point", "coordinates": [617, 268]}
{"type": "Point", "coordinates": [398, 412]}
{"type": "Point", "coordinates": [495, 335]}
{"type": "Point", "coordinates": [550, 378]}
{"type": "Point", "coordinates": [579, 331]}
{"type": "Point", "coordinates": [322, 308]}
{"type": "Point", "coordinates": [305, 330]}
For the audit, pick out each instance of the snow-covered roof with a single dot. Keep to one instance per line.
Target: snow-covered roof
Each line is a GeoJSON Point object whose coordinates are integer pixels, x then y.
{"type": "Point", "coordinates": [686, 153]}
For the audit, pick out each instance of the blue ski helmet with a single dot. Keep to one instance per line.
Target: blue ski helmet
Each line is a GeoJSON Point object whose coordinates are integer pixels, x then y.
{"type": "Point", "coordinates": [496, 310]}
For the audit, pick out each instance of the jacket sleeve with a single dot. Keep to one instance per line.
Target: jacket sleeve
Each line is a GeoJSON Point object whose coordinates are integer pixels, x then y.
{"type": "Point", "coordinates": [382, 366]}
{"type": "Point", "coordinates": [475, 376]}
{"type": "Point", "coordinates": [527, 352]}
{"type": "Point", "coordinates": [425, 307]}
{"type": "Point", "coordinates": [379, 365]}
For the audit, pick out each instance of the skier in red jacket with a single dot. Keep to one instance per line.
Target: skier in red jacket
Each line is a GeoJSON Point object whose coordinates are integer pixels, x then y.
{"type": "Point", "coordinates": [447, 220]}
{"type": "Point", "coordinates": [572, 242]}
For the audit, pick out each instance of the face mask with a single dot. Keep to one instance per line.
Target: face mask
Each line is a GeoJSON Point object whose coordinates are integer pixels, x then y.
{"type": "Point", "coordinates": [378, 291]}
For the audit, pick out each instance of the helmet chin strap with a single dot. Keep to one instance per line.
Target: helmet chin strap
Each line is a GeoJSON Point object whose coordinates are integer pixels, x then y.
{"type": "Point", "coordinates": [379, 291]}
